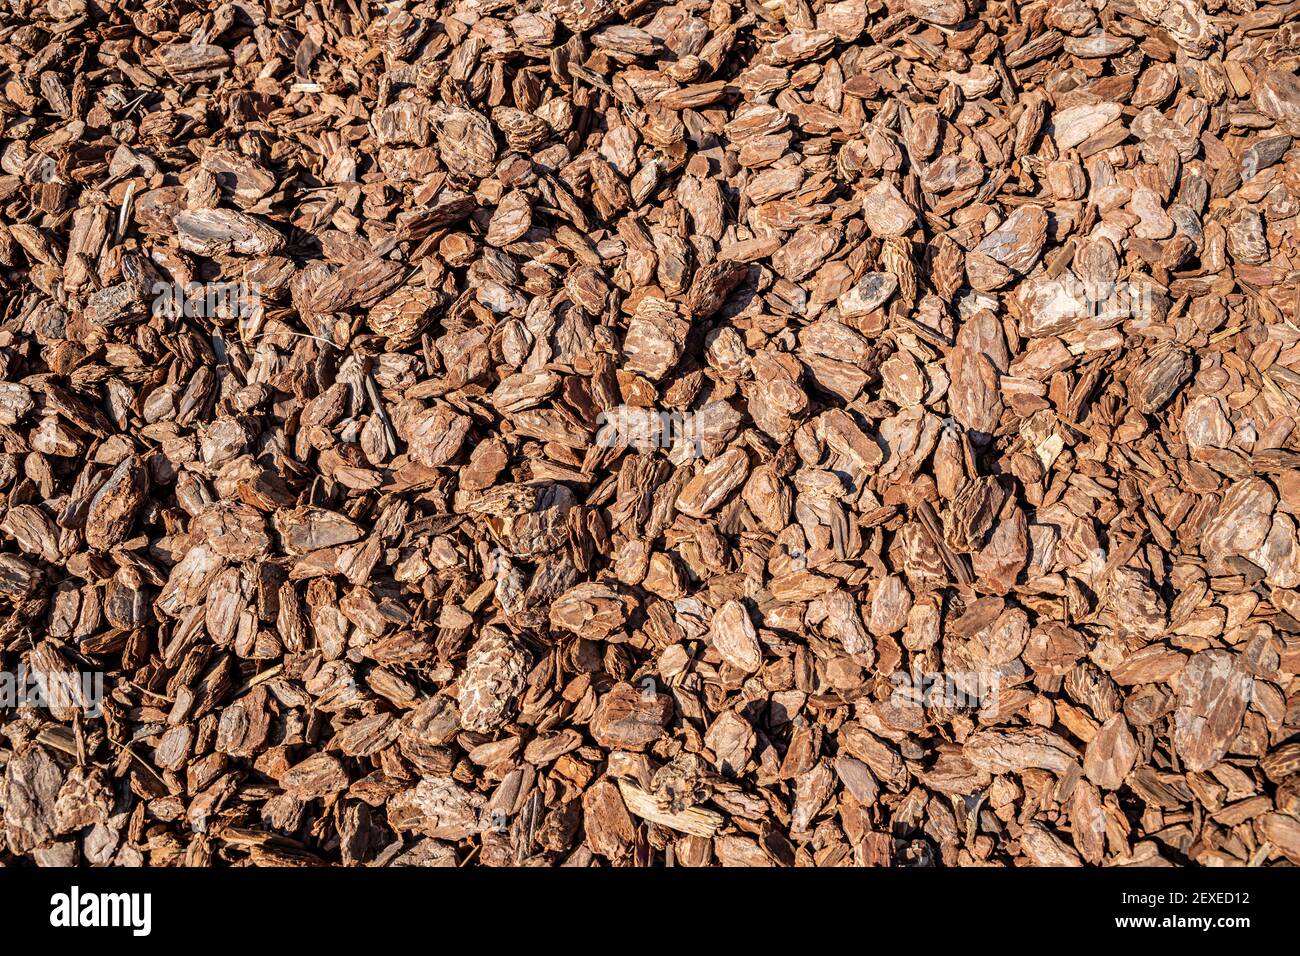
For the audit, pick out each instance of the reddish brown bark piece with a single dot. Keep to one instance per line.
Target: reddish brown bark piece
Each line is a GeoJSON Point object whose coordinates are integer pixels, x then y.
{"type": "Point", "coordinates": [1214, 690]}
{"type": "Point", "coordinates": [629, 718]}
{"type": "Point", "coordinates": [603, 433]}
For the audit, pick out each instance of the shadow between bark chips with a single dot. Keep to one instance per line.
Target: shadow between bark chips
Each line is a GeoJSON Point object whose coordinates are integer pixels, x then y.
{"type": "Point", "coordinates": [616, 433]}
